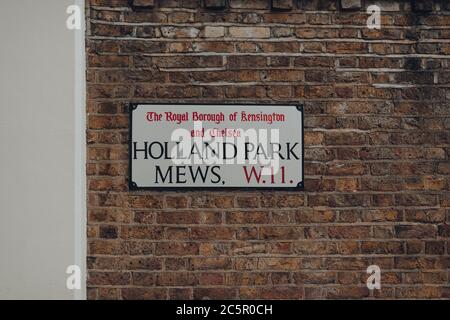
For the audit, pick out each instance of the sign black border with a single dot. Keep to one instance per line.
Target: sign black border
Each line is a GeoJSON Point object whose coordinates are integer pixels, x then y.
{"type": "Point", "coordinates": [133, 187]}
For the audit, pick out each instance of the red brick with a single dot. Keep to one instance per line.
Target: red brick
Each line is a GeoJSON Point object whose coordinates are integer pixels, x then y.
{"type": "Point", "coordinates": [214, 293]}
{"type": "Point", "coordinates": [415, 231]}
{"type": "Point", "coordinates": [108, 278]}
{"type": "Point", "coordinates": [175, 248]}
{"type": "Point", "coordinates": [144, 3]}
{"type": "Point", "coordinates": [210, 263]}
{"type": "Point", "coordinates": [349, 232]}
{"type": "Point", "coordinates": [144, 293]}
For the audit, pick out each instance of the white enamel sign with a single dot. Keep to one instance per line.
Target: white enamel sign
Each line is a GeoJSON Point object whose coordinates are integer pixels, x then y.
{"type": "Point", "coordinates": [215, 146]}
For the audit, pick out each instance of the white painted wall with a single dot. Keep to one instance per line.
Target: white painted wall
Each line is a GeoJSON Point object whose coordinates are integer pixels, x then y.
{"type": "Point", "coordinates": [42, 197]}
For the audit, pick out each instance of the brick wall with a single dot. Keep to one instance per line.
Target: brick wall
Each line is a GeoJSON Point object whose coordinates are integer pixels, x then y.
{"type": "Point", "coordinates": [377, 149]}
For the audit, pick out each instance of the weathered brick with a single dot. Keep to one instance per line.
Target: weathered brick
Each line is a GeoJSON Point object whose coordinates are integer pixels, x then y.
{"type": "Point", "coordinates": [215, 4]}
{"type": "Point", "coordinates": [282, 200]}
{"type": "Point", "coordinates": [374, 247]}
{"type": "Point", "coordinates": [109, 30]}
{"type": "Point", "coordinates": [247, 217]}
{"type": "Point", "coordinates": [179, 32]}
{"type": "Point", "coordinates": [143, 263]}
{"type": "Point", "coordinates": [206, 233]}
{"type": "Point", "coordinates": [282, 4]}
{"type": "Point", "coordinates": [339, 169]}
{"type": "Point", "coordinates": [416, 199]}
{"type": "Point", "coordinates": [351, 4]}
{"type": "Point", "coordinates": [108, 232]}
{"type": "Point", "coordinates": [284, 233]}
{"type": "Point", "coordinates": [214, 32]}
{"type": "Point", "coordinates": [108, 278]}
{"type": "Point", "coordinates": [347, 292]}
{"type": "Point", "coordinates": [243, 4]}
{"type": "Point", "coordinates": [351, 232]}
{"type": "Point", "coordinates": [144, 293]}
{"type": "Point", "coordinates": [425, 216]}
{"type": "Point", "coordinates": [106, 247]}
{"type": "Point", "coordinates": [210, 263]}
{"type": "Point", "coordinates": [141, 232]}
{"type": "Point", "coordinates": [279, 263]}
{"type": "Point", "coordinates": [108, 293]}
{"type": "Point", "coordinates": [444, 230]}
{"type": "Point", "coordinates": [314, 216]}
{"type": "Point", "coordinates": [382, 215]}
{"type": "Point", "coordinates": [144, 3]}
{"type": "Point", "coordinates": [422, 5]}
{"type": "Point", "coordinates": [175, 248]}
{"type": "Point", "coordinates": [178, 217]}
{"type": "Point", "coordinates": [249, 32]}
{"type": "Point", "coordinates": [214, 293]}
{"type": "Point", "coordinates": [415, 231]}
{"type": "Point", "coordinates": [435, 247]}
